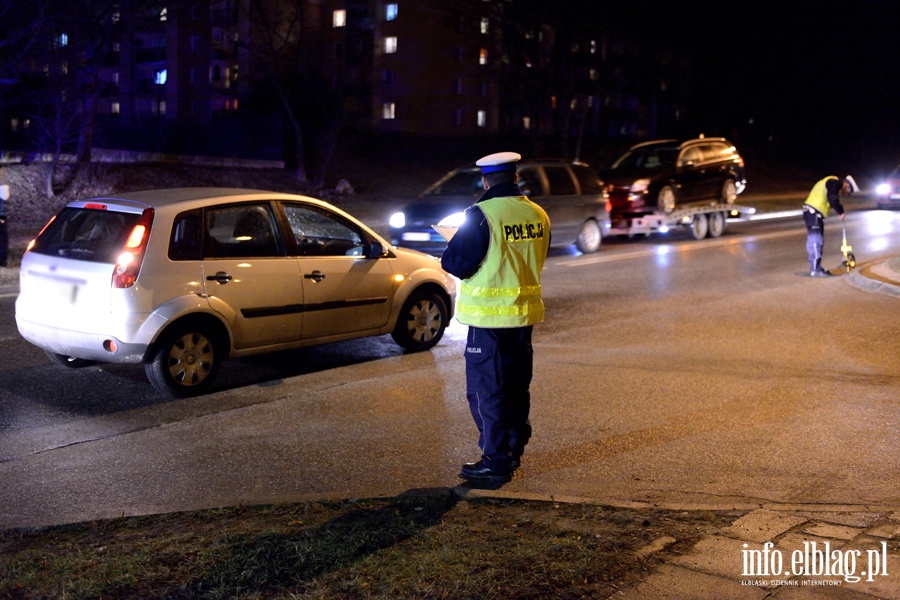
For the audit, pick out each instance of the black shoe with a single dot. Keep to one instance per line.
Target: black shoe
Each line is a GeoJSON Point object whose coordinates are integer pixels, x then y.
{"type": "Point", "coordinates": [479, 470]}
{"type": "Point", "coordinates": [820, 272]}
{"type": "Point", "coordinates": [515, 462]}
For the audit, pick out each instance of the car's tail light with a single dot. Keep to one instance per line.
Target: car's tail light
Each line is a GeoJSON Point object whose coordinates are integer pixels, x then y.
{"type": "Point", "coordinates": [129, 262]}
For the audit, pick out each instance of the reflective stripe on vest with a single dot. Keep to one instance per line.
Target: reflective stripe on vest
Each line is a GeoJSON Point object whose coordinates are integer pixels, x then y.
{"type": "Point", "coordinates": [506, 290]}
{"type": "Point", "coordinates": [818, 196]}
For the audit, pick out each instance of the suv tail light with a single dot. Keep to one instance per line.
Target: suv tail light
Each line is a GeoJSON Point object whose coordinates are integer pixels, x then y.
{"type": "Point", "coordinates": [129, 262]}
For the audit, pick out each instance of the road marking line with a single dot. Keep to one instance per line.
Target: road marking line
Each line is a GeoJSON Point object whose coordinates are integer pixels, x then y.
{"type": "Point", "coordinates": [582, 261]}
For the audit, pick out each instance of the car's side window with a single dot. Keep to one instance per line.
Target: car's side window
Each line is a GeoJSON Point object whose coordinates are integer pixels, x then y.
{"type": "Point", "coordinates": [241, 230]}
{"type": "Point", "coordinates": [587, 179]}
{"type": "Point", "coordinates": [319, 233]}
{"type": "Point", "coordinates": [530, 183]}
{"type": "Point", "coordinates": [560, 180]}
{"type": "Point", "coordinates": [691, 155]}
{"type": "Point", "coordinates": [185, 241]}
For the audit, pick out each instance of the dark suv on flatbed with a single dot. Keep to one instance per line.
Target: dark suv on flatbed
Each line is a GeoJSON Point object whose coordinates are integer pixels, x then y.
{"type": "Point", "coordinates": [662, 174]}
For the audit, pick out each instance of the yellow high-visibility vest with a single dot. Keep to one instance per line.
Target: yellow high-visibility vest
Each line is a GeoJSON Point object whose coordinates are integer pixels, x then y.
{"type": "Point", "coordinates": [506, 289]}
{"type": "Point", "coordinates": [818, 196]}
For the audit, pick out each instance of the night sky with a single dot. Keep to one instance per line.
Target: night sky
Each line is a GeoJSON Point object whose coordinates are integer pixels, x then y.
{"type": "Point", "coordinates": [818, 79]}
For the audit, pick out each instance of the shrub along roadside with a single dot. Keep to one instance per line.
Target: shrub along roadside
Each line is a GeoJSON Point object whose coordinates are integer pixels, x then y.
{"type": "Point", "coordinates": [432, 545]}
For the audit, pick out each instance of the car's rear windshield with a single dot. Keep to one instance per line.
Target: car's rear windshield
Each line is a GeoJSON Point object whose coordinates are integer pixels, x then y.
{"type": "Point", "coordinates": [86, 234]}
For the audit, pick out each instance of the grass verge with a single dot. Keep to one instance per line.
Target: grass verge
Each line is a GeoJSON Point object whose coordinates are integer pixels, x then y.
{"type": "Point", "coordinates": [436, 546]}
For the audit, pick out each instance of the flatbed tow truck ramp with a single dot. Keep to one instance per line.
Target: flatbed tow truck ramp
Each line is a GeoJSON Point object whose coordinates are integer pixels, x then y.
{"type": "Point", "coordinates": [705, 220]}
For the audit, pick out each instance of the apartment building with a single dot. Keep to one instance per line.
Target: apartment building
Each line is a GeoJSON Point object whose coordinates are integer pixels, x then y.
{"type": "Point", "coordinates": [190, 75]}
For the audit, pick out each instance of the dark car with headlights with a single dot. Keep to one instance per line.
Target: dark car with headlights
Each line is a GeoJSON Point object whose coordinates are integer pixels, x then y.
{"type": "Point", "coordinates": [571, 194]}
{"type": "Point", "coordinates": [661, 175]}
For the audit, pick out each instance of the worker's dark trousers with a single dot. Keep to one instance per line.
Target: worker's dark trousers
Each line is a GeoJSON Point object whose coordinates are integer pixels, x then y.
{"type": "Point", "coordinates": [498, 376]}
{"type": "Point", "coordinates": [815, 237]}
{"type": "Point", "coordinates": [4, 242]}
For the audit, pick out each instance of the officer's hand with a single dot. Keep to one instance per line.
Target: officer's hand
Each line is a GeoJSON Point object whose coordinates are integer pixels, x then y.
{"type": "Point", "coordinates": [843, 216]}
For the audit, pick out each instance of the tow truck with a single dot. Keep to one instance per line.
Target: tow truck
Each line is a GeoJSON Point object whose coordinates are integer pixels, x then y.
{"type": "Point", "coordinates": [701, 219]}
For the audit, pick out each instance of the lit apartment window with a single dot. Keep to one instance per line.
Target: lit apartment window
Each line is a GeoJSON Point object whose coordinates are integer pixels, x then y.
{"type": "Point", "coordinates": [594, 74]}
{"type": "Point", "coordinates": [164, 14]}
{"type": "Point", "coordinates": [117, 46]}
{"type": "Point", "coordinates": [115, 78]}
{"type": "Point", "coordinates": [482, 56]}
{"type": "Point", "coordinates": [484, 25]}
{"type": "Point", "coordinates": [339, 18]}
{"type": "Point", "coordinates": [390, 44]}
{"type": "Point", "coordinates": [116, 16]}
{"type": "Point", "coordinates": [116, 108]}
{"type": "Point", "coordinates": [388, 110]}
{"type": "Point", "coordinates": [526, 123]}
{"type": "Point", "coordinates": [64, 67]}
{"type": "Point", "coordinates": [390, 12]}
{"type": "Point", "coordinates": [160, 77]}
{"type": "Point", "coordinates": [62, 40]}
{"type": "Point", "coordinates": [159, 108]}
{"type": "Point", "coordinates": [482, 118]}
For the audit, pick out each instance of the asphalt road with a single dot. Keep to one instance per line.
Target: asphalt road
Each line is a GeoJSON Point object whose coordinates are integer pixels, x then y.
{"type": "Point", "coordinates": [669, 372]}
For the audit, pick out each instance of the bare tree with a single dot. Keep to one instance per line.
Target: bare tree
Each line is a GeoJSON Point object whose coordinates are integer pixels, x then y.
{"type": "Point", "coordinates": [283, 45]}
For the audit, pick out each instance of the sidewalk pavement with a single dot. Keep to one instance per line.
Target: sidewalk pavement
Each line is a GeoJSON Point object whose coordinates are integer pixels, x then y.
{"type": "Point", "coordinates": [786, 552]}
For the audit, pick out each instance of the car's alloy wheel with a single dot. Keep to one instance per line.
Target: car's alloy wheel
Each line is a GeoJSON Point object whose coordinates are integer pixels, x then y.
{"type": "Point", "coordinates": [589, 238]}
{"type": "Point", "coordinates": [68, 361]}
{"type": "Point", "coordinates": [716, 224]}
{"type": "Point", "coordinates": [729, 191]}
{"type": "Point", "coordinates": [666, 199]}
{"type": "Point", "coordinates": [422, 321]}
{"type": "Point", "coordinates": [186, 364]}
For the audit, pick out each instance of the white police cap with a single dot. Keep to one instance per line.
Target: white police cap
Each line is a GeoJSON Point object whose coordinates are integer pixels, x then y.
{"type": "Point", "coordinates": [500, 161]}
{"type": "Point", "coordinates": [852, 183]}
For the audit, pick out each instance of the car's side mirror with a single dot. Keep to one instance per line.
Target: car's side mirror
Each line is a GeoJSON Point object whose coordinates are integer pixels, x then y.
{"type": "Point", "coordinates": [375, 250]}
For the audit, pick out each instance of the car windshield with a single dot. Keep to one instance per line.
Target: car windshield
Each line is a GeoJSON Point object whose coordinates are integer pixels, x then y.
{"type": "Point", "coordinates": [466, 182]}
{"type": "Point", "coordinates": [647, 158]}
{"type": "Point", "coordinates": [86, 234]}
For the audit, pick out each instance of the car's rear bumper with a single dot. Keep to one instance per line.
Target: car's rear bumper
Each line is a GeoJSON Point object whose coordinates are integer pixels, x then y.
{"type": "Point", "coordinates": [79, 344]}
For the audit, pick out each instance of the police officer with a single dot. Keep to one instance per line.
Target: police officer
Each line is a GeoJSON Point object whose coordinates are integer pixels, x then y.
{"type": "Point", "coordinates": [4, 236]}
{"type": "Point", "coordinates": [498, 253]}
{"type": "Point", "coordinates": [825, 194]}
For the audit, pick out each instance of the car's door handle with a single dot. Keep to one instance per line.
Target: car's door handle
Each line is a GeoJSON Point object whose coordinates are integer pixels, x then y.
{"type": "Point", "coordinates": [316, 276]}
{"type": "Point", "coordinates": [220, 277]}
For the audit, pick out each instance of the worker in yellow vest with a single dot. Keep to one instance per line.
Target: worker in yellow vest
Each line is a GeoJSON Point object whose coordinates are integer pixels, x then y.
{"type": "Point", "coordinates": [824, 195]}
{"type": "Point", "coordinates": [498, 254]}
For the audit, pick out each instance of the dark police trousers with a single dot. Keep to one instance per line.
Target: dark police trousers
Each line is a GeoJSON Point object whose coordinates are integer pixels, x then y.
{"type": "Point", "coordinates": [499, 365]}
{"type": "Point", "coordinates": [4, 241]}
{"type": "Point", "coordinates": [815, 236]}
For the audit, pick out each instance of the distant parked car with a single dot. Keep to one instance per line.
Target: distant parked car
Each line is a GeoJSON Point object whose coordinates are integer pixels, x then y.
{"type": "Point", "coordinates": [571, 194]}
{"type": "Point", "coordinates": [663, 174]}
{"type": "Point", "coordinates": [182, 279]}
{"type": "Point", "coordinates": [888, 192]}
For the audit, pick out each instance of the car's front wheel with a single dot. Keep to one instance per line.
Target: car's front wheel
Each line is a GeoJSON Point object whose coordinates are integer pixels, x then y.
{"type": "Point", "coordinates": [186, 362]}
{"type": "Point", "coordinates": [666, 199]}
{"type": "Point", "coordinates": [589, 238]}
{"type": "Point", "coordinates": [421, 322]}
{"type": "Point", "coordinates": [68, 361]}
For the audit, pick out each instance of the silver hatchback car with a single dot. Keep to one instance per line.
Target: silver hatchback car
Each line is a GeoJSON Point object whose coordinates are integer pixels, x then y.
{"type": "Point", "coordinates": [182, 279]}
